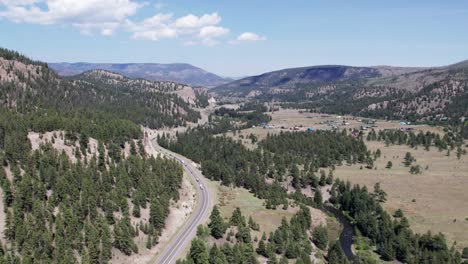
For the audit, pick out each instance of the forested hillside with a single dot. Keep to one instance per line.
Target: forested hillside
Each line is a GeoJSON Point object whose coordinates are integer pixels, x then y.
{"type": "Point", "coordinates": [80, 206]}
{"type": "Point", "coordinates": [27, 87]}
{"type": "Point", "coordinates": [172, 72]}
{"type": "Point", "coordinates": [286, 80]}
{"type": "Point", "coordinates": [436, 94]}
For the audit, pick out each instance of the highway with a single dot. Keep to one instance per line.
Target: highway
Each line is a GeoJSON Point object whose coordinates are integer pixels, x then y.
{"type": "Point", "coordinates": [187, 232]}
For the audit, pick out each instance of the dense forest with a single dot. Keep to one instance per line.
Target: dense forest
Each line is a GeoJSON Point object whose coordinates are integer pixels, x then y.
{"type": "Point", "coordinates": [77, 210]}
{"type": "Point", "coordinates": [56, 209]}
{"type": "Point", "coordinates": [246, 118]}
{"type": "Point", "coordinates": [276, 158]}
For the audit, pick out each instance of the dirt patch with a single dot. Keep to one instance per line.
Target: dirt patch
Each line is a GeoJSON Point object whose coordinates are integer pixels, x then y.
{"type": "Point", "coordinates": [187, 94]}
{"type": "Point", "coordinates": [57, 140]}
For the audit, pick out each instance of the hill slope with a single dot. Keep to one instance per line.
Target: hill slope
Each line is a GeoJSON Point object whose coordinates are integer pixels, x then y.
{"type": "Point", "coordinates": [286, 79]}
{"type": "Point", "coordinates": [176, 72]}
{"type": "Point", "coordinates": [27, 86]}
{"type": "Point", "coordinates": [386, 92]}
{"type": "Point", "coordinates": [79, 180]}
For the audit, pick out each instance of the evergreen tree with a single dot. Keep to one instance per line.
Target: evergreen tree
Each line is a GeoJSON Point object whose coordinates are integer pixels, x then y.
{"type": "Point", "coordinates": [198, 252]}
{"type": "Point", "coordinates": [318, 200]}
{"type": "Point", "coordinates": [335, 255]}
{"type": "Point", "coordinates": [320, 237]}
{"type": "Point", "coordinates": [216, 225]}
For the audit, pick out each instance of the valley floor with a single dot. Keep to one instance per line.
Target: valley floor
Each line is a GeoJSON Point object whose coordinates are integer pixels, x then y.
{"type": "Point", "coordinates": [434, 200]}
{"type": "Point", "coordinates": [439, 193]}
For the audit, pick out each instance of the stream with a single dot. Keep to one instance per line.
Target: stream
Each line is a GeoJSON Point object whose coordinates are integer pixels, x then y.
{"type": "Point", "coordinates": [346, 236]}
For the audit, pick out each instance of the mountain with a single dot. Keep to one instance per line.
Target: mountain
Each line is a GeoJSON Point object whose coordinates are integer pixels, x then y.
{"type": "Point", "coordinates": [416, 94]}
{"type": "Point", "coordinates": [28, 86]}
{"type": "Point", "coordinates": [112, 80]}
{"type": "Point", "coordinates": [77, 166]}
{"type": "Point", "coordinates": [286, 79]}
{"type": "Point", "coordinates": [176, 72]}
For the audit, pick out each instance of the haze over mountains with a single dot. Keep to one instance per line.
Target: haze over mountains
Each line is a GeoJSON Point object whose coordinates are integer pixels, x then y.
{"type": "Point", "coordinates": [174, 72]}
{"type": "Point", "coordinates": [291, 77]}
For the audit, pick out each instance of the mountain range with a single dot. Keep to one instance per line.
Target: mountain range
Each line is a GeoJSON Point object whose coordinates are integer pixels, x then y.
{"type": "Point", "coordinates": [174, 72]}
{"type": "Point", "coordinates": [29, 86]}
{"type": "Point", "coordinates": [438, 93]}
{"type": "Point", "coordinates": [290, 78]}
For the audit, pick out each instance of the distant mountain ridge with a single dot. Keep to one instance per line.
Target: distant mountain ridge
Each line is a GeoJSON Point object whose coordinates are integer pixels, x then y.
{"type": "Point", "coordinates": [174, 72]}
{"type": "Point", "coordinates": [432, 94]}
{"type": "Point", "coordinates": [291, 77]}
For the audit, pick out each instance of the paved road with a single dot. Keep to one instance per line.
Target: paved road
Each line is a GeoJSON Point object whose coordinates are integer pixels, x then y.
{"type": "Point", "coordinates": [179, 242]}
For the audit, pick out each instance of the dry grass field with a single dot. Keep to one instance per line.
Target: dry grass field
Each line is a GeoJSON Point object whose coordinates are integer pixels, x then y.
{"type": "Point", "coordinates": [230, 198]}
{"type": "Point", "coordinates": [287, 120]}
{"type": "Point", "coordinates": [436, 200]}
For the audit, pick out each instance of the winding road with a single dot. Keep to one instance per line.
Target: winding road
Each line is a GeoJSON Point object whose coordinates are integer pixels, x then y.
{"type": "Point", "coordinates": [187, 232]}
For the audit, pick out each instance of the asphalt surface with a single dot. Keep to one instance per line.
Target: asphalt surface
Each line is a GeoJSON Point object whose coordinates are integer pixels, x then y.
{"type": "Point", "coordinates": [187, 232]}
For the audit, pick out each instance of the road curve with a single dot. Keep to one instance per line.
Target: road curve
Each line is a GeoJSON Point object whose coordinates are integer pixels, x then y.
{"type": "Point", "coordinates": [187, 232]}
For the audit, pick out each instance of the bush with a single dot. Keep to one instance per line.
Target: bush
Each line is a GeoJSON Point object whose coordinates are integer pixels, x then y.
{"type": "Point", "coordinates": [465, 253]}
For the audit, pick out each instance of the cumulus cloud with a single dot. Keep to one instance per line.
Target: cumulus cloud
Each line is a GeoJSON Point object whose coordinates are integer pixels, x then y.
{"type": "Point", "coordinates": [192, 29]}
{"type": "Point", "coordinates": [88, 15]}
{"type": "Point", "coordinates": [249, 36]}
{"type": "Point", "coordinates": [106, 17]}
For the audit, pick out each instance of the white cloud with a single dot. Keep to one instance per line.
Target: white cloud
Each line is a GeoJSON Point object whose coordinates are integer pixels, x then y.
{"type": "Point", "coordinates": [249, 36]}
{"type": "Point", "coordinates": [87, 15]}
{"type": "Point", "coordinates": [190, 28]}
{"type": "Point", "coordinates": [192, 21]}
{"type": "Point", "coordinates": [213, 31]}
{"type": "Point", "coordinates": [106, 17]}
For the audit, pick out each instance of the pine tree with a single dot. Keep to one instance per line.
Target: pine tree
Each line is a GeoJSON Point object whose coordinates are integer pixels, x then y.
{"type": "Point", "coordinates": [320, 237]}
{"type": "Point", "coordinates": [217, 225]}
{"type": "Point", "coordinates": [157, 217]}
{"type": "Point", "coordinates": [253, 225]}
{"type": "Point", "coordinates": [216, 256]}
{"type": "Point", "coordinates": [389, 165]}
{"type": "Point", "coordinates": [237, 219]}
{"type": "Point", "coordinates": [335, 255]}
{"type": "Point", "coordinates": [261, 249]}
{"type": "Point", "coordinates": [318, 200]}
{"type": "Point", "coordinates": [198, 252]}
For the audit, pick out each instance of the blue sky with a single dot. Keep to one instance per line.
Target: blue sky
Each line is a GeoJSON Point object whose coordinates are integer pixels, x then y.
{"type": "Point", "coordinates": [237, 38]}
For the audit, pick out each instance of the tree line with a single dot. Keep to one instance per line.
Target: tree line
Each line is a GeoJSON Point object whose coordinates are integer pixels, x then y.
{"type": "Point", "coordinates": [276, 158]}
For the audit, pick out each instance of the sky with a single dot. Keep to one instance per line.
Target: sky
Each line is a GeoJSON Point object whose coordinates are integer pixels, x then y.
{"type": "Point", "coordinates": [238, 37]}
